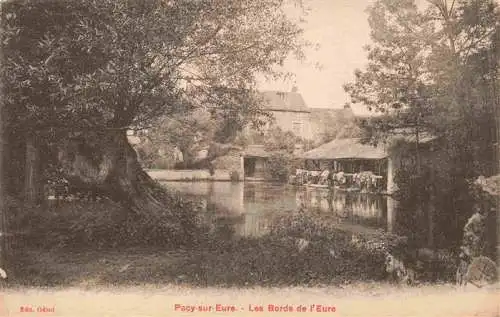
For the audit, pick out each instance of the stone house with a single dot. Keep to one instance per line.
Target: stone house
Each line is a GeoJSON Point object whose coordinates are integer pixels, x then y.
{"type": "Point", "coordinates": [289, 111]}
{"type": "Point", "coordinates": [291, 114]}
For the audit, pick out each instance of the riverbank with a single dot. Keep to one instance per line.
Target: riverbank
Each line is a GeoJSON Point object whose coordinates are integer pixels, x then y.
{"type": "Point", "coordinates": [189, 175]}
{"type": "Point", "coordinates": [362, 299]}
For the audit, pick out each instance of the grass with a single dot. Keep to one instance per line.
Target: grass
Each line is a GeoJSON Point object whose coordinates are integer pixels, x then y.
{"type": "Point", "coordinates": [242, 262]}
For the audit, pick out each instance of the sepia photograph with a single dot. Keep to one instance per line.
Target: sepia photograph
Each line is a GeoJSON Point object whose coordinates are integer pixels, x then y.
{"type": "Point", "coordinates": [249, 158]}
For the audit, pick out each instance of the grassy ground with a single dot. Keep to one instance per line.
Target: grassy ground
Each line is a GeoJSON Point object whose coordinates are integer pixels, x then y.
{"type": "Point", "coordinates": [231, 263]}
{"type": "Point", "coordinates": [92, 243]}
{"type": "Point", "coordinates": [116, 278]}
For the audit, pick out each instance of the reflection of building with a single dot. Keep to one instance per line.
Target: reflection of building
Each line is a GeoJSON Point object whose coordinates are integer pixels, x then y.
{"type": "Point", "coordinates": [391, 211]}
{"type": "Point", "coordinates": [254, 225]}
{"type": "Point", "coordinates": [365, 209]}
{"type": "Point", "coordinates": [249, 208]}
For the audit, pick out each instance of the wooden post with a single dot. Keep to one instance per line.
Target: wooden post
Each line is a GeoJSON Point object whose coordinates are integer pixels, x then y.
{"type": "Point", "coordinates": [242, 167]}
{"type": "Point", "coordinates": [391, 213]}
{"type": "Point", "coordinates": [390, 176]}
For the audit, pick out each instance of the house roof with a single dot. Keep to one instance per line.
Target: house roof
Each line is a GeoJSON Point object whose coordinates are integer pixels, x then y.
{"type": "Point", "coordinates": [345, 149]}
{"type": "Point", "coordinates": [338, 112]}
{"type": "Point", "coordinates": [256, 151]}
{"type": "Point", "coordinates": [284, 101]}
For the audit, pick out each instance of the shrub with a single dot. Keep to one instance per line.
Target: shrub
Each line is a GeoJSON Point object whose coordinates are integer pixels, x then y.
{"type": "Point", "coordinates": [350, 263]}
{"type": "Point", "coordinates": [163, 163]}
{"type": "Point", "coordinates": [279, 166]}
{"type": "Point", "coordinates": [106, 224]}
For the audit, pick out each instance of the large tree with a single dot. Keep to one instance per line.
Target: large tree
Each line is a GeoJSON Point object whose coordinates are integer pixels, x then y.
{"type": "Point", "coordinates": [435, 70]}
{"type": "Point", "coordinates": [395, 78]}
{"type": "Point", "coordinates": [80, 73]}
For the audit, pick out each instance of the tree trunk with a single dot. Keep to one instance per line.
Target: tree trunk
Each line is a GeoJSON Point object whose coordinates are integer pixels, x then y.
{"type": "Point", "coordinates": [431, 210]}
{"type": "Point", "coordinates": [33, 187]}
{"type": "Point", "coordinates": [106, 163]}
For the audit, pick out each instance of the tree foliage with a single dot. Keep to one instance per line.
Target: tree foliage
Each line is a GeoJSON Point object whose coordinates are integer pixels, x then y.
{"type": "Point", "coordinates": [340, 125]}
{"type": "Point", "coordinates": [114, 64]}
{"type": "Point", "coordinates": [434, 70]}
{"type": "Point", "coordinates": [79, 73]}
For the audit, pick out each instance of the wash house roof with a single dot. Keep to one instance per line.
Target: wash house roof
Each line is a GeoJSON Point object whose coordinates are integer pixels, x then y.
{"type": "Point", "coordinates": [345, 149]}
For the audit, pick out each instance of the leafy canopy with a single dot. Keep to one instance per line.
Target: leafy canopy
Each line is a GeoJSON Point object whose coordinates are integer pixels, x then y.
{"type": "Point", "coordinates": [433, 69]}
{"type": "Point", "coordinates": [112, 64]}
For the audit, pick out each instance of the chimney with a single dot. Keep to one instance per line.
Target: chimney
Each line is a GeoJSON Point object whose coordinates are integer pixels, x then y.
{"type": "Point", "coordinates": [295, 89]}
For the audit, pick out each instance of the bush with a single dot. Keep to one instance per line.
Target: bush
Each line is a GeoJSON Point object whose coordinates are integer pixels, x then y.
{"type": "Point", "coordinates": [106, 224]}
{"type": "Point", "coordinates": [150, 156]}
{"type": "Point", "coordinates": [350, 263]}
{"type": "Point", "coordinates": [163, 163]}
{"type": "Point", "coordinates": [279, 166]}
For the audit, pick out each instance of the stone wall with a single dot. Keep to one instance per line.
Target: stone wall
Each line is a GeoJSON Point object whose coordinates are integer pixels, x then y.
{"type": "Point", "coordinates": [297, 122]}
{"type": "Point", "coordinates": [189, 175]}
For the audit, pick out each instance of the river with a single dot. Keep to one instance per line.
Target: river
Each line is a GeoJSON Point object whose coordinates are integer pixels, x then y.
{"type": "Point", "coordinates": [249, 207]}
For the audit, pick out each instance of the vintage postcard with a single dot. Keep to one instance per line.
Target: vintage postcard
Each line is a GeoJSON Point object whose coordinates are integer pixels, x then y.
{"type": "Point", "coordinates": [249, 158]}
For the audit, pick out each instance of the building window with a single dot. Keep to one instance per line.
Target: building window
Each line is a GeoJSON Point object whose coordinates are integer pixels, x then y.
{"type": "Point", "coordinates": [297, 128]}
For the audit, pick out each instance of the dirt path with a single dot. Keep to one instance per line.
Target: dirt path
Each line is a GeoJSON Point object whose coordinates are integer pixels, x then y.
{"type": "Point", "coordinates": [357, 300]}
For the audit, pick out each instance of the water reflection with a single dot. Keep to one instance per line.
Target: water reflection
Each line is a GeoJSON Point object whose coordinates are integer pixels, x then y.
{"type": "Point", "coordinates": [250, 207]}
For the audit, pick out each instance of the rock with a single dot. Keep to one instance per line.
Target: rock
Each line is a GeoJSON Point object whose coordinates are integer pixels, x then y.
{"type": "Point", "coordinates": [333, 253]}
{"type": "Point", "coordinates": [124, 268]}
{"type": "Point", "coordinates": [302, 244]}
{"type": "Point", "coordinates": [481, 271]}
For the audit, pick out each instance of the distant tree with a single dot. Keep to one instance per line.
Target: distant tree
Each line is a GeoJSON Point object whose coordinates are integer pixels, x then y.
{"type": "Point", "coordinates": [189, 133]}
{"type": "Point", "coordinates": [396, 76]}
{"type": "Point", "coordinates": [338, 125]}
{"type": "Point", "coordinates": [274, 139]}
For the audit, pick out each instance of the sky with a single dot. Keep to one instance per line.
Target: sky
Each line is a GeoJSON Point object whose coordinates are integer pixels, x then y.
{"type": "Point", "coordinates": [340, 28]}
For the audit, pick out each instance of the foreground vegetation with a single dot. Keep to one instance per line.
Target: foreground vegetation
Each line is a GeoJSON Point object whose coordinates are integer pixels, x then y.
{"type": "Point", "coordinates": [93, 243]}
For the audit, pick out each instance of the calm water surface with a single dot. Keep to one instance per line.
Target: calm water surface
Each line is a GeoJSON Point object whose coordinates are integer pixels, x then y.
{"type": "Point", "coordinates": [249, 207]}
